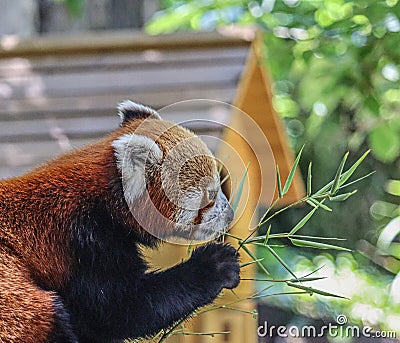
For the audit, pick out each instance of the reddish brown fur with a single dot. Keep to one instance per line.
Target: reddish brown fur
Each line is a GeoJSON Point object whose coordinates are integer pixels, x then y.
{"type": "Point", "coordinates": [25, 311]}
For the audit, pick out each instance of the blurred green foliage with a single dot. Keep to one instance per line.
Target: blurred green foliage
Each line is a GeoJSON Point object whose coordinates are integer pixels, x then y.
{"type": "Point", "coordinates": [74, 7]}
{"type": "Point", "coordinates": [331, 59]}
{"type": "Point", "coordinates": [374, 295]}
{"type": "Point", "coordinates": [336, 71]}
{"type": "Point", "coordinates": [336, 66]}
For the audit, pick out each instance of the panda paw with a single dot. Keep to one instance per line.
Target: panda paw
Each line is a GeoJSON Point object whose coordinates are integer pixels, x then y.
{"type": "Point", "coordinates": [218, 263]}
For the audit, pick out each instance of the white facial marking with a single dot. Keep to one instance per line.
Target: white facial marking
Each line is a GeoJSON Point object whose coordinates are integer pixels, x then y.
{"type": "Point", "coordinates": [132, 151]}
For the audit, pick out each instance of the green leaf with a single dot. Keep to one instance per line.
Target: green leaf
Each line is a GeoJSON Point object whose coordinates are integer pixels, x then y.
{"type": "Point", "coordinates": [357, 180]}
{"type": "Point", "coordinates": [221, 163]}
{"type": "Point", "coordinates": [346, 175]}
{"type": "Point", "coordinates": [255, 314]}
{"type": "Point", "coordinates": [388, 234]}
{"type": "Point", "coordinates": [309, 176]}
{"type": "Point", "coordinates": [316, 203]}
{"type": "Point", "coordinates": [239, 191]}
{"type": "Point", "coordinates": [270, 245]}
{"type": "Point", "coordinates": [318, 238]}
{"type": "Point", "coordinates": [301, 279]}
{"type": "Point", "coordinates": [336, 181]}
{"type": "Point", "coordinates": [308, 279]}
{"type": "Point", "coordinates": [393, 187]}
{"type": "Point", "coordinates": [343, 197]}
{"type": "Point", "coordinates": [292, 171]}
{"type": "Point", "coordinates": [312, 290]}
{"type": "Point", "coordinates": [267, 234]}
{"type": "Point", "coordinates": [302, 222]}
{"type": "Point", "coordinates": [287, 235]}
{"type": "Point", "coordinates": [278, 180]}
{"type": "Point", "coordinates": [278, 294]}
{"type": "Point", "coordinates": [385, 142]}
{"type": "Point", "coordinates": [189, 249]}
{"type": "Point", "coordinates": [251, 262]}
{"type": "Point", "coordinates": [282, 262]}
{"type": "Point", "coordinates": [316, 245]}
{"type": "Point", "coordinates": [372, 104]}
{"type": "Point", "coordinates": [249, 252]}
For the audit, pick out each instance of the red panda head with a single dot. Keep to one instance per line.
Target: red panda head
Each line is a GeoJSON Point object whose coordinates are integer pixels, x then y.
{"type": "Point", "coordinates": [170, 178]}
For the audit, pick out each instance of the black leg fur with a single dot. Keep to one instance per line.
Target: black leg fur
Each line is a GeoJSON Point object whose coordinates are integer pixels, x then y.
{"type": "Point", "coordinates": [111, 296]}
{"type": "Point", "coordinates": [129, 305]}
{"type": "Point", "coordinates": [62, 332]}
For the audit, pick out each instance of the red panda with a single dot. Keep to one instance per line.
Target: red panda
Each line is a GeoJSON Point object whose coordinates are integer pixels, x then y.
{"type": "Point", "coordinates": [71, 230]}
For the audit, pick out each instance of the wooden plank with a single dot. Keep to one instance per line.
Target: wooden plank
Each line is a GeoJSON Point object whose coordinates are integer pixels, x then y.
{"type": "Point", "coordinates": [31, 153]}
{"type": "Point", "coordinates": [206, 115]}
{"type": "Point", "coordinates": [89, 83]}
{"type": "Point", "coordinates": [40, 130]}
{"type": "Point", "coordinates": [104, 105]}
{"type": "Point", "coordinates": [44, 127]}
{"type": "Point", "coordinates": [149, 58]}
{"type": "Point", "coordinates": [95, 43]}
{"type": "Point", "coordinates": [35, 142]}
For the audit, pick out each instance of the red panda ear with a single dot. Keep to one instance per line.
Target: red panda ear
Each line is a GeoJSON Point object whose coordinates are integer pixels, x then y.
{"type": "Point", "coordinates": [133, 153]}
{"type": "Point", "coordinates": [129, 110]}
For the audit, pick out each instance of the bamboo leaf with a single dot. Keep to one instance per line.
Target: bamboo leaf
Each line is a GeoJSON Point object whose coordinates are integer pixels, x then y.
{"type": "Point", "coordinates": [278, 180]}
{"type": "Point", "coordinates": [346, 175]}
{"type": "Point", "coordinates": [279, 293]}
{"type": "Point", "coordinates": [357, 180]}
{"type": "Point", "coordinates": [248, 251]}
{"type": "Point", "coordinates": [314, 271]}
{"type": "Point", "coordinates": [251, 262]}
{"type": "Point", "coordinates": [267, 235]}
{"type": "Point", "coordinates": [255, 314]}
{"type": "Point", "coordinates": [302, 222]}
{"type": "Point", "coordinates": [227, 176]}
{"type": "Point", "coordinates": [342, 197]}
{"type": "Point", "coordinates": [292, 171]}
{"type": "Point", "coordinates": [312, 290]}
{"type": "Point", "coordinates": [318, 238]}
{"type": "Point", "coordinates": [261, 291]}
{"type": "Point", "coordinates": [270, 245]}
{"type": "Point", "coordinates": [336, 181]}
{"type": "Point", "coordinates": [221, 163]}
{"type": "Point", "coordinates": [282, 262]}
{"type": "Point", "coordinates": [240, 310]}
{"type": "Point", "coordinates": [287, 235]}
{"type": "Point", "coordinates": [234, 293]}
{"type": "Point", "coordinates": [302, 279]}
{"type": "Point", "coordinates": [311, 203]}
{"type": "Point", "coordinates": [239, 191]}
{"type": "Point", "coordinates": [316, 245]}
{"type": "Point", "coordinates": [309, 176]}
{"type": "Point", "coordinates": [316, 203]}
{"type": "Point", "coordinates": [309, 279]}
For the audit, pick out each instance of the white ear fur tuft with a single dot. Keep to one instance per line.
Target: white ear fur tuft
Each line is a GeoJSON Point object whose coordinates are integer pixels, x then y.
{"type": "Point", "coordinates": [128, 110]}
{"type": "Point", "coordinates": [132, 152]}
